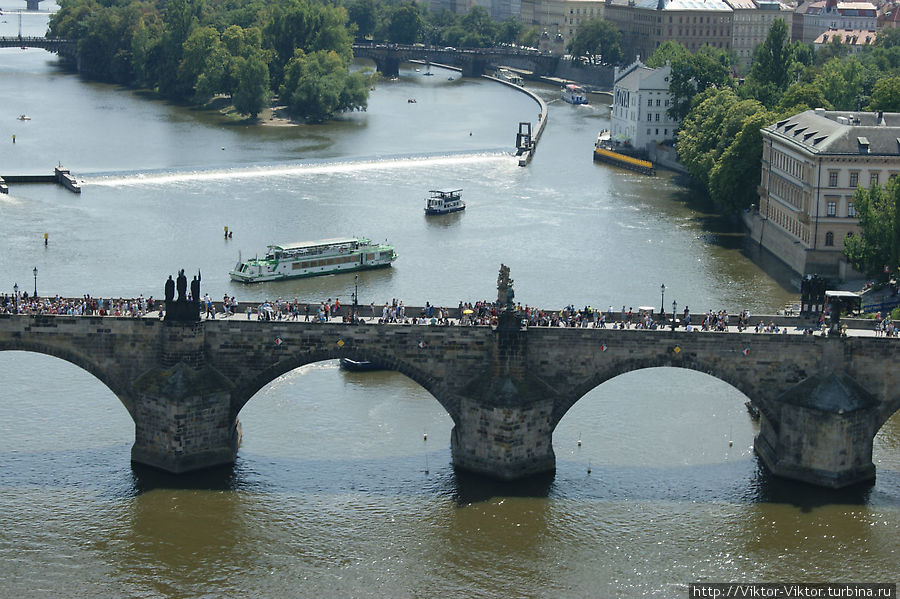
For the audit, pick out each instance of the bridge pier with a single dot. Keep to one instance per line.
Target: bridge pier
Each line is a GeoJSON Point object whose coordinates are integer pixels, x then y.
{"type": "Point", "coordinates": [182, 410]}
{"type": "Point", "coordinates": [505, 424]}
{"type": "Point", "coordinates": [388, 66]}
{"type": "Point", "coordinates": [820, 432]}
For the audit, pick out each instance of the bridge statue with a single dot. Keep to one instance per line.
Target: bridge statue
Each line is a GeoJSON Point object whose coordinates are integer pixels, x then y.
{"type": "Point", "coordinates": [182, 310]}
{"type": "Point", "coordinates": [505, 293]}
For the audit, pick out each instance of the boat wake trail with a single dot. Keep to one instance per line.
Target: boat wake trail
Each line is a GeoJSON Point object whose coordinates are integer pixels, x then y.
{"type": "Point", "coordinates": [305, 169]}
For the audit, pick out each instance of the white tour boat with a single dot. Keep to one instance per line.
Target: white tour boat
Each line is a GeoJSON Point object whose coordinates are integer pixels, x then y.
{"type": "Point", "coordinates": [574, 94]}
{"type": "Point", "coordinates": [510, 76]}
{"type": "Point", "coordinates": [444, 202]}
{"type": "Point", "coordinates": [312, 258]}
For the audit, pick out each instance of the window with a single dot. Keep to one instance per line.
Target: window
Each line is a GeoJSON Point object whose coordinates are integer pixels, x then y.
{"type": "Point", "coordinates": [832, 178]}
{"type": "Point", "coordinates": [649, 102]}
{"type": "Point", "coordinates": [657, 117]}
{"type": "Point", "coordinates": [829, 238]}
{"type": "Point", "coordinates": [657, 102]}
{"type": "Point", "coordinates": [649, 117]}
{"type": "Point", "coordinates": [873, 179]}
{"type": "Point", "coordinates": [851, 210]}
{"type": "Point", "coordinates": [854, 179]}
{"type": "Point", "coordinates": [832, 208]}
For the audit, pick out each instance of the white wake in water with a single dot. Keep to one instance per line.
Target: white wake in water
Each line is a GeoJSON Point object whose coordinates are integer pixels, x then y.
{"type": "Point", "coordinates": [298, 170]}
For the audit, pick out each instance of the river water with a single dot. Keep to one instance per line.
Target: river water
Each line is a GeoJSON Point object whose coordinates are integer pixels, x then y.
{"type": "Point", "coordinates": [336, 490]}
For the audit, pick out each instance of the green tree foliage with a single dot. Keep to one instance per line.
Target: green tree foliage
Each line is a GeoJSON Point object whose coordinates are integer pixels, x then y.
{"type": "Point", "coordinates": [251, 93]}
{"type": "Point", "coordinates": [668, 51]}
{"type": "Point", "coordinates": [844, 83]}
{"type": "Point", "coordinates": [364, 15]}
{"type": "Point", "coordinates": [720, 144]}
{"type": "Point", "coordinates": [317, 86]}
{"type": "Point", "coordinates": [774, 67]}
{"type": "Point", "coordinates": [405, 24]}
{"type": "Point", "coordinates": [596, 36]}
{"type": "Point", "coordinates": [886, 95]}
{"type": "Point", "coordinates": [735, 175]}
{"type": "Point", "coordinates": [192, 50]}
{"type": "Point", "coordinates": [480, 29]}
{"type": "Point", "coordinates": [878, 243]}
{"type": "Point", "coordinates": [802, 96]}
{"type": "Point", "coordinates": [693, 74]}
{"type": "Point", "coordinates": [835, 48]}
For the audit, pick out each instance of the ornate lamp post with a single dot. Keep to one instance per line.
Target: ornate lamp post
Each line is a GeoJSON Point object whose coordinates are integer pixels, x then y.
{"type": "Point", "coordinates": [16, 297]}
{"type": "Point", "coordinates": [355, 296]}
{"type": "Point", "coordinates": [674, 309]}
{"type": "Point", "coordinates": [662, 300]}
{"type": "Point", "coordinates": [35, 281]}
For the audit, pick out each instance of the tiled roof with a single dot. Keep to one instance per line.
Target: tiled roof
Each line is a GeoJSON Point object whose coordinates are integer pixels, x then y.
{"type": "Point", "coordinates": [841, 132]}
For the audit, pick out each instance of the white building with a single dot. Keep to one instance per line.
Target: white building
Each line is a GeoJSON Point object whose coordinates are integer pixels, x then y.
{"type": "Point", "coordinates": [812, 164]}
{"type": "Point", "coordinates": [640, 106]}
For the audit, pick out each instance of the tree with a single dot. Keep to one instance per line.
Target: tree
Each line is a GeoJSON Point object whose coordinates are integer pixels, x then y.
{"type": "Point", "coordinates": [405, 23]}
{"type": "Point", "coordinates": [802, 96]}
{"type": "Point", "coordinates": [251, 92]}
{"type": "Point", "coordinates": [364, 15]}
{"type": "Point", "coordinates": [878, 243]}
{"type": "Point", "coordinates": [843, 82]}
{"type": "Point", "coordinates": [318, 85]}
{"type": "Point", "coordinates": [596, 36]}
{"type": "Point", "coordinates": [693, 74]}
{"type": "Point", "coordinates": [886, 95]}
{"type": "Point", "coordinates": [735, 175]}
{"type": "Point", "coordinates": [668, 52]}
{"type": "Point", "coordinates": [773, 61]}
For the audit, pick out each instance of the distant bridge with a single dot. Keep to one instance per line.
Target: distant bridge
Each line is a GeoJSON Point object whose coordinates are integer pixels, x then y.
{"type": "Point", "coordinates": [472, 61]}
{"type": "Point", "coordinates": [63, 47]}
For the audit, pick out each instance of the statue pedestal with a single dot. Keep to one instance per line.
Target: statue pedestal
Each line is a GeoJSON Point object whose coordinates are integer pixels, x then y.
{"type": "Point", "coordinates": [182, 311]}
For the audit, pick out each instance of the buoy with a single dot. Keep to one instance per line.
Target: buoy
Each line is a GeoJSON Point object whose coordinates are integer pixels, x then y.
{"type": "Point", "coordinates": [424, 436]}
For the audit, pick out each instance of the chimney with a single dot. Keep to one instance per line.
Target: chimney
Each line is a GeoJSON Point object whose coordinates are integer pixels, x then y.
{"type": "Point", "coordinates": [880, 120]}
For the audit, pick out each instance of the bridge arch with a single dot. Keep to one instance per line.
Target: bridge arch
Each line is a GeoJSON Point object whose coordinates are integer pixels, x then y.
{"type": "Point", "coordinates": [27, 344]}
{"type": "Point", "coordinates": [742, 383]}
{"type": "Point", "coordinates": [387, 361]}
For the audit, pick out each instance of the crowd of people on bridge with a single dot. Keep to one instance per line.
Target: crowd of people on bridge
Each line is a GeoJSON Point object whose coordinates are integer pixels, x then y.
{"type": "Point", "coordinates": [477, 313]}
{"type": "Point", "coordinates": [83, 306]}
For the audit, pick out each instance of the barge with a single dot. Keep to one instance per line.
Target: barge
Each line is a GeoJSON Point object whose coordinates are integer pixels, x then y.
{"type": "Point", "coordinates": [605, 151]}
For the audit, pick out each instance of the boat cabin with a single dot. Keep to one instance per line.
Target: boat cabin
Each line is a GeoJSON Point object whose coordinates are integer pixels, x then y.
{"type": "Point", "coordinates": [443, 202]}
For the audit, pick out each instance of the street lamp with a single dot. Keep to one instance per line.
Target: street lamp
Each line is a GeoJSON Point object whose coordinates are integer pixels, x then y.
{"type": "Point", "coordinates": [35, 281]}
{"type": "Point", "coordinates": [674, 309]}
{"type": "Point", "coordinates": [662, 299]}
{"type": "Point", "coordinates": [355, 296]}
{"type": "Point", "coordinates": [16, 297]}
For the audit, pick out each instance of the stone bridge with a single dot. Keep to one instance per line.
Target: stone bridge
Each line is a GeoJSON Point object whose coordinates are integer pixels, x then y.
{"type": "Point", "coordinates": [63, 47]}
{"type": "Point", "coordinates": [822, 400]}
{"type": "Point", "coordinates": [472, 61]}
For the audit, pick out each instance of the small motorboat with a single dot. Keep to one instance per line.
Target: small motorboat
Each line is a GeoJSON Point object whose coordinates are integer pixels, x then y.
{"type": "Point", "coordinates": [411, 101]}
{"type": "Point", "coordinates": [359, 365]}
{"type": "Point", "coordinates": [24, 117]}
